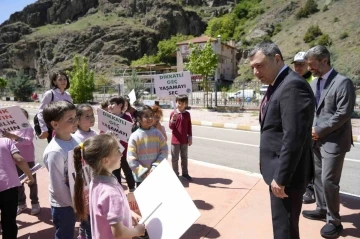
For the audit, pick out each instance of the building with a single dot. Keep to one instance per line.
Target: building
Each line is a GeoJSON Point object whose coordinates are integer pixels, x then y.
{"type": "Point", "coordinates": [227, 64]}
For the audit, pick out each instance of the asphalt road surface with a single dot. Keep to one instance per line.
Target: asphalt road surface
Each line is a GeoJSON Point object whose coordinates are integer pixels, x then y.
{"type": "Point", "coordinates": [240, 150]}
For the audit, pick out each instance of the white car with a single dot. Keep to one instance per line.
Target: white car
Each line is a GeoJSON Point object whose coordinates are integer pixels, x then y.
{"type": "Point", "coordinates": [242, 94]}
{"type": "Point", "coordinates": [263, 89]}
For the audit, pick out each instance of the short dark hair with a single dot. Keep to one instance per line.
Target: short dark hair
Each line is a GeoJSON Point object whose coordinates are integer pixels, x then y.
{"type": "Point", "coordinates": [55, 110]}
{"type": "Point", "coordinates": [319, 52]}
{"type": "Point", "coordinates": [269, 49]}
{"type": "Point", "coordinates": [118, 100]}
{"type": "Point", "coordinates": [104, 104]}
{"type": "Point", "coordinates": [182, 98]}
{"type": "Point", "coordinates": [80, 109]}
{"type": "Point", "coordinates": [55, 75]}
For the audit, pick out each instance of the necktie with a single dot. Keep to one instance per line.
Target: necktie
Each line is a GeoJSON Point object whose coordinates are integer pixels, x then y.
{"type": "Point", "coordinates": [266, 99]}
{"type": "Point", "coordinates": [318, 90]}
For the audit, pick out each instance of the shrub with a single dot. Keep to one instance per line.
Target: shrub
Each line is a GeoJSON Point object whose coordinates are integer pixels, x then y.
{"type": "Point", "coordinates": [3, 83]}
{"type": "Point", "coordinates": [324, 40]}
{"type": "Point", "coordinates": [312, 33]}
{"type": "Point", "coordinates": [325, 8]}
{"type": "Point", "coordinates": [310, 7]}
{"type": "Point", "coordinates": [277, 29]}
{"type": "Point", "coordinates": [336, 19]}
{"type": "Point", "coordinates": [343, 35]}
{"type": "Point", "coordinates": [21, 86]}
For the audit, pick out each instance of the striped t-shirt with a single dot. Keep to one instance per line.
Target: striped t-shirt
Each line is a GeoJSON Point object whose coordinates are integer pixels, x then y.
{"type": "Point", "coordinates": [146, 149]}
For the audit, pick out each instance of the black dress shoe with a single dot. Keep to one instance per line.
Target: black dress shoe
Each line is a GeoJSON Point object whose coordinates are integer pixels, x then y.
{"type": "Point", "coordinates": [314, 215]}
{"type": "Point", "coordinates": [309, 197]}
{"type": "Point", "coordinates": [331, 231]}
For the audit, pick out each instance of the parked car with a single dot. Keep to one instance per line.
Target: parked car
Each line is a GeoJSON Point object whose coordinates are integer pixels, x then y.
{"type": "Point", "coordinates": [263, 89]}
{"type": "Point", "coordinates": [247, 94]}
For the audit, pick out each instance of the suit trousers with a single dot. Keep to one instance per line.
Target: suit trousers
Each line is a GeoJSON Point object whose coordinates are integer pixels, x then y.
{"type": "Point", "coordinates": [328, 168]}
{"type": "Point", "coordinates": [285, 213]}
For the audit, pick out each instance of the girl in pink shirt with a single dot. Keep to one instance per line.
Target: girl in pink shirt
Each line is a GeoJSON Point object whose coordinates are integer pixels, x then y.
{"type": "Point", "coordinates": [110, 214]}
{"type": "Point", "coordinates": [24, 141]}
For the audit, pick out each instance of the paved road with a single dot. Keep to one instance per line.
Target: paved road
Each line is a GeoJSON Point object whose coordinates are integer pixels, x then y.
{"type": "Point", "coordinates": [239, 149]}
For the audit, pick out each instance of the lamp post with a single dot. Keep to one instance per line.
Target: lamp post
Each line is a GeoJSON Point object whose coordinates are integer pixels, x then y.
{"type": "Point", "coordinates": [217, 74]}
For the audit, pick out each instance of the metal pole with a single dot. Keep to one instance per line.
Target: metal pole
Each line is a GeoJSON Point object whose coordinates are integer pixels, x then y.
{"type": "Point", "coordinates": [216, 84]}
{"type": "Point", "coordinates": [243, 94]}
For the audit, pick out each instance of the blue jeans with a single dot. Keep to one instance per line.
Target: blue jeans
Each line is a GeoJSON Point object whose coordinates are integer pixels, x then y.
{"type": "Point", "coordinates": [85, 228]}
{"type": "Point", "coordinates": [64, 221]}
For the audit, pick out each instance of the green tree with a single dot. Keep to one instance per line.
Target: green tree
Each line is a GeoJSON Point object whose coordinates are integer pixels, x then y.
{"type": "Point", "coordinates": [21, 86]}
{"type": "Point", "coordinates": [135, 83]}
{"type": "Point", "coordinates": [310, 7]}
{"type": "Point", "coordinates": [202, 61]}
{"type": "Point", "coordinates": [145, 60]}
{"type": "Point", "coordinates": [224, 26]}
{"type": "Point", "coordinates": [324, 40]}
{"type": "Point", "coordinates": [82, 81]}
{"type": "Point", "coordinates": [312, 33]}
{"type": "Point", "coordinates": [167, 48]}
{"type": "Point", "coordinates": [3, 83]}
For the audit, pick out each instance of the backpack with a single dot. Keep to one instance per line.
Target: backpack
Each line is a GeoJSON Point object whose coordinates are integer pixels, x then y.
{"type": "Point", "coordinates": [36, 120]}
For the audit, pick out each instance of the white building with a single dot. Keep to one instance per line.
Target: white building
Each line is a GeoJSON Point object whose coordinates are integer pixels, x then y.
{"type": "Point", "coordinates": [227, 64]}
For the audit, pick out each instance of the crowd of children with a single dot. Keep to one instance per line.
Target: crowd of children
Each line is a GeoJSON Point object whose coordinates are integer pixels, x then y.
{"type": "Point", "coordinates": [106, 213]}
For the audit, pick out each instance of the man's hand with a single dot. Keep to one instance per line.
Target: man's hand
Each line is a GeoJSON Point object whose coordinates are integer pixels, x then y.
{"type": "Point", "coordinates": [190, 142]}
{"type": "Point", "coordinates": [44, 135]}
{"type": "Point", "coordinates": [314, 135]}
{"type": "Point", "coordinates": [278, 190]}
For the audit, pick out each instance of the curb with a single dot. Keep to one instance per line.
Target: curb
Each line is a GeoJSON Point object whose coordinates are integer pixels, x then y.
{"type": "Point", "coordinates": [356, 138]}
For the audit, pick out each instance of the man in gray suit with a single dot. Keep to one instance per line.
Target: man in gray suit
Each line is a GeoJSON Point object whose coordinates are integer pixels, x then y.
{"type": "Point", "coordinates": [332, 135]}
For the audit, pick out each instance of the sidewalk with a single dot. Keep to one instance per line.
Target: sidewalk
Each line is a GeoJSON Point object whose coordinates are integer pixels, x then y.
{"type": "Point", "coordinates": [241, 121]}
{"type": "Point", "coordinates": [233, 205]}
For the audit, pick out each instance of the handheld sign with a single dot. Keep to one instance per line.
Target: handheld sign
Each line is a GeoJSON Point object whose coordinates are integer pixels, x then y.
{"type": "Point", "coordinates": [12, 118]}
{"type": "Point", "coordinates": [166, 206]}
{"type": "Point", "coordinates": [132, 96]}
{"type": "Point", "coordinates": [86, 174]}
{"type": "Point", "coordinates": [109, 122]}
{"type": "Point", "coordinates": [171, 84]}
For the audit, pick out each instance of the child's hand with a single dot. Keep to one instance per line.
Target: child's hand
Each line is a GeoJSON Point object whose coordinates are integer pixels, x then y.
{"type": "Point", "coordinates": [30, 180]}
{"type": "Point", "coordinates": [140, 229]}
{"type": "Point", "coordinates": [135, 218]}
{"type": "Point", "coordinates": [190, 142]}
{"type": "Point", "coordinates": [174, 117]}
{"type": "Point", "coordinates": [9, 135]}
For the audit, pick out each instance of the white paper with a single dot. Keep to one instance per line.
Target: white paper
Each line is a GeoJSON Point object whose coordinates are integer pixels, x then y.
{"type": "Point", "coordinates": [172, 84]}
{"type": "Point", "coordinates": [12, 118]}
{"type": "Point", "coordinates": [177, 211]}
{"type": "Point", "coordinates": [118, 126]}
{"type": "Point", "coordinates": [132, 96]}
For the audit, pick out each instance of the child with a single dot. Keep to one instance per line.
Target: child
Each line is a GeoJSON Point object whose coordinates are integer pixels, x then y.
{"type": "Point", "coordinates": [128, 109]}
{"type": "Point", "coordinates": [180, 124]}
{"type": "Point", "coordinates": [105, 105]}
{"type": "Point", "coordinates": [157, 118]}
{"type": "Point", "coordinates": [23, 139]}
{"type": "Point", "coordinates": [85, 114]}
{"type": "Point", "coordinates": [116, 105]}
{"type": "Point", "coordinates": [9, 183]}
{"type": "Point", "coordinates": [147, 146]}
{"type": "Point", "coordinates": [109, 208]}
{"type": "Point", "coordinates": [61, 116]}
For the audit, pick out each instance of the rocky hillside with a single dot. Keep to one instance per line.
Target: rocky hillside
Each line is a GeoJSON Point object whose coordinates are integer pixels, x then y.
{"type": "Point", "coordinates": [47, 34]}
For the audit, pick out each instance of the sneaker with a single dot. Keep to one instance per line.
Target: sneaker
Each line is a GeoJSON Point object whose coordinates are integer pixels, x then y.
{"type": "Point", "coordinates": [331, 231]}
{"type": "Point", "coordinates": [21, 208]}
{"type": "Point", "coordinates": [309, 197]}
{"type": "Point", "coordinates": [187, 176]}
{"type": "Point", "coordinates": [35, 209]}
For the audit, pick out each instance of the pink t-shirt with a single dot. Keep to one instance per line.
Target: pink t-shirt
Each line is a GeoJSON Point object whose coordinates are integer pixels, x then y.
{"type": "Point", "coordinates": [108, 206]}
{"type": "Point", "coordinates": [8, 174]}
{"type": "Point", "coordinates": [25, 143]}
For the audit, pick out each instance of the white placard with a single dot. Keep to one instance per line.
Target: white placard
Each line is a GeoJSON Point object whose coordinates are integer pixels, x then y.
{"type": "Point", "coordinates": [172, 84]}
{"type": "Point", "coordinates": [176, 213]}
{"type": "Point", "coordinates": [132, 96]}
{"type": "Point", "coordinates": [12, 118]}
{"type": "Point", "coordinates": [149, 102]}
{"type": "Point", "coordinates": [109, 122]}
{"type": "Point", "coordinates": [86, 174]}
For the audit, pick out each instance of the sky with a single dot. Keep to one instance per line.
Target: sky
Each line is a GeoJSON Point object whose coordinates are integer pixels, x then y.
{"type": "Point", "coordinates": [8, 7]}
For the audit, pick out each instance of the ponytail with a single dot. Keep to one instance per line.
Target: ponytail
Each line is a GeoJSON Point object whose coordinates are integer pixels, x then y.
{"type": "Point", "coordinates": [79, 199]}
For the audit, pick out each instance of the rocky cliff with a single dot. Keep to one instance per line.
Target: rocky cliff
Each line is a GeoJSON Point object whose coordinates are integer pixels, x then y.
{"type": "Point", "coordinates": [47, 34]}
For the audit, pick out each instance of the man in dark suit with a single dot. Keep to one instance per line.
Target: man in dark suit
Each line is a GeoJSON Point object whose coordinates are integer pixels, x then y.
{"type": "Point", "coordinates": [286, 116]}
{"type": "Point", "coordinates": [332, 134]}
